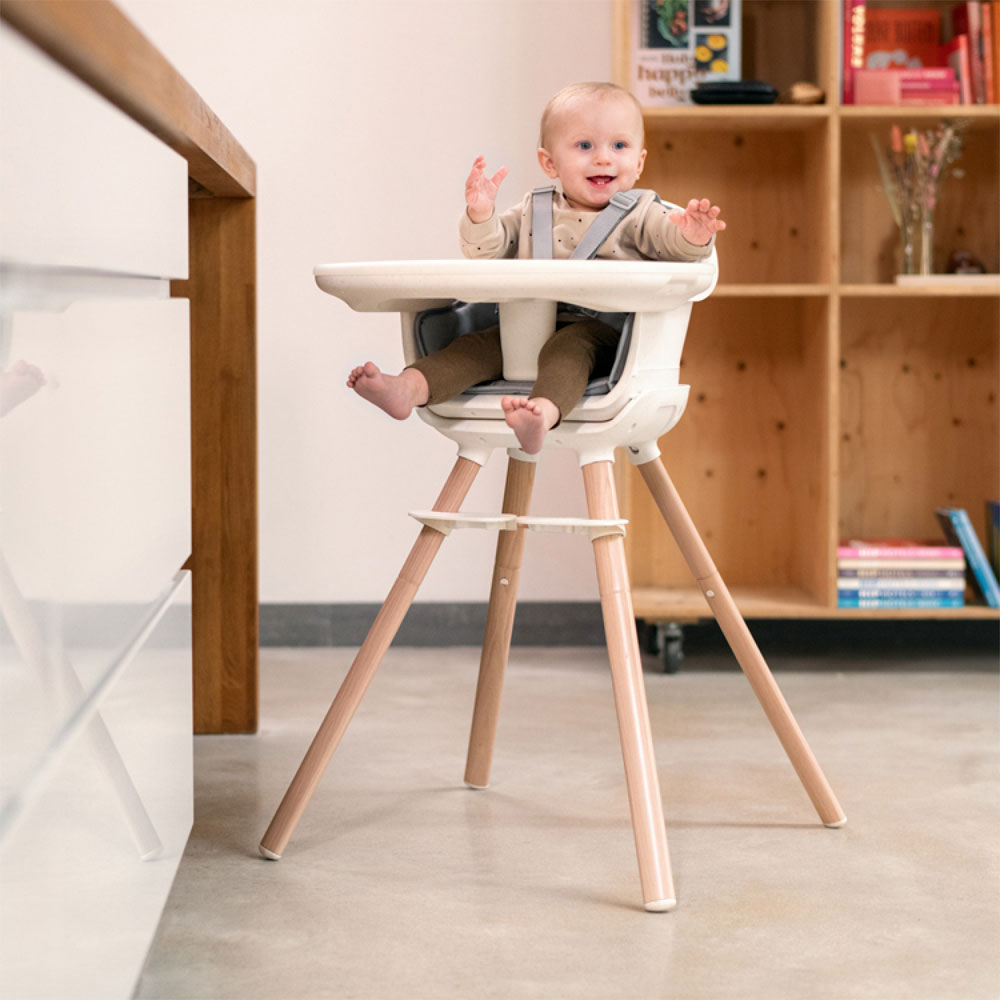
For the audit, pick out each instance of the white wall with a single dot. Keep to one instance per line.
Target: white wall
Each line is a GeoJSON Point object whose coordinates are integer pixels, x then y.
{"type": "Point", "coordinates": [363, 117]}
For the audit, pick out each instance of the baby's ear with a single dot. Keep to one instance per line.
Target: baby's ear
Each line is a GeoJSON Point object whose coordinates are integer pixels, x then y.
{"type": "Point", "coordinates": [547, 163]}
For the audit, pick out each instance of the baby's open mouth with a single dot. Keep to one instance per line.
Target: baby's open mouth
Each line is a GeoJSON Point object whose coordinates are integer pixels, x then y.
{"type": "Point", "coordinates": [601, 179]}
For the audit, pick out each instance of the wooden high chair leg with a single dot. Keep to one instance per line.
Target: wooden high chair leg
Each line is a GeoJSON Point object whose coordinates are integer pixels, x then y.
{"type": "Point", "coordinates": [499, 624]}
{"type": "Point", "coordinates": [741, 641]}
{"type": "Point", "coordinates": [365, 664]}
{"type": "Point", "coordinates": [630, 695]}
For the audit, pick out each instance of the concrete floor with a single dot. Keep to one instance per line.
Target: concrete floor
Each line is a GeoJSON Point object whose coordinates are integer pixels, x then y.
{"type": "Point", "coordinates": [400, 882]}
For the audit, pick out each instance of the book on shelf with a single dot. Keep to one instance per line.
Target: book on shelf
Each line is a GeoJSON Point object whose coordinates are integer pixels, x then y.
{"type": "Point", "coordinates": [901, 37]}
{"type": "Point", "coordinates": [989, 78]}
{"type": "Point", "coordinates": [967, 19]}
{"type": "Point", "coordinates": [995, 28]}
{"type": "Point", "coordinates": [924, 86]}
{"type": "Point", "coordinates": [878, 550]}
{"type": "Point", "coordinates": [993, 534]}
{"type": "Point", "coordinates": [956, 55]}
{"type": "Point", "coordinates": [958, 530]}
{"type": "Point", "coordinates": [677, 44]}
{"type": "Point", "coordinates": [852, 46]}
{"type": "Point", "coordinates": [938, 569]}
{"type": "Point", "coordinates": [899, 573]}
{"type": "Point", "coordinates": [917, 586]}
{"type": "Point", "coordinates": [928, 603]}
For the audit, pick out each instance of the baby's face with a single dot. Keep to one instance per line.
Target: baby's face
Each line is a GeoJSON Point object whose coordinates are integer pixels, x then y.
{"type": "Point", "coordinates": [595, 149]}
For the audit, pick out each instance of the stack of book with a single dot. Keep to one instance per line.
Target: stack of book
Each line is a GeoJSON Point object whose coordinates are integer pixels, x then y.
{"type": "Point", "coordinates": [896, 55]}
{"type": "Point", "coordinates": [899, 573]}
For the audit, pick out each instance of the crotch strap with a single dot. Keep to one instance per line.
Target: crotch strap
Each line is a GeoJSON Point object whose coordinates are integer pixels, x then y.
{"type": "Point", "coordinates": [622, 202]}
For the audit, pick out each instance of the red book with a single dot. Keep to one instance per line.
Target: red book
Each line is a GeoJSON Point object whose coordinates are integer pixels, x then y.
{"type": "Point", "coordinates": [995, 19]}
{"type": "Point", "coordinates": [854, 45]}
{"type": "Point", "coordinates": [956, 54]}
{"type": "Point", "coordinates": [902, 38]}
{"type": "Point", "coordinates": [989, 65]}
{"type": "Point", "coordinates": [966, 19]}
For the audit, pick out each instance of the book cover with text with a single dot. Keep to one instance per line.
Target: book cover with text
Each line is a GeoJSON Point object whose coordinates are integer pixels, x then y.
{"type": "Point", "coordinates": [901, 38]}
{"type": "Point", "coordinates": [677, 44]}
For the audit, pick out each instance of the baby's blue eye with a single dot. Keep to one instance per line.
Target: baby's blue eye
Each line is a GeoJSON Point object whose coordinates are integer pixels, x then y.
{"type": "Point", "coordinates": [583, 144]}
{"type": "Point", "coordinates": [620, 145]}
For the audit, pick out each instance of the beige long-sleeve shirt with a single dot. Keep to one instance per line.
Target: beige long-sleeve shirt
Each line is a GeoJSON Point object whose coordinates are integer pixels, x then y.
{"type": "Point", "coordinates": [646, 233]}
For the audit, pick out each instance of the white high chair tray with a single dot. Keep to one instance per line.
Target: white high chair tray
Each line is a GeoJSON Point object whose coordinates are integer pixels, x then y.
{"type": "Point", "coordinates": [413, 285]}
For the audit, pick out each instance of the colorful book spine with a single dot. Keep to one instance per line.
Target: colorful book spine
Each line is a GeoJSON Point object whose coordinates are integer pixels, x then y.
{"type": "Point", "coordinates": [868, 572]}
{"type": "Point", "coordinates": [995, 21]}
{"type": "Point", "coordinates": [956, 54]}
{"type": "Point", "coordinates": [906, 550]}
{"type": "Point", "coordinates": [935, 85]}
{"type": "Point", "coordinates": [928, 585]}
{"type": "Point", "coordinates": [958, 528]}
{"type": "Point", "coordinates": [853, 45]}
{"type": "Point", "coordinates": [993, 534]}
{"type": "Point", "coordinates": [989, 68]}
{"type": "Point", "coordinates": [900, 602]}
{"type": "Point", "coordinates": [899, 573]}
{"type": "Point", "coordinates": [967, 19]}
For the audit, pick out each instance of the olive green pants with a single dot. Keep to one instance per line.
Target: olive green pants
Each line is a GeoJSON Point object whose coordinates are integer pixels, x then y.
{"type": "Point", "coordinates": [565, 362]}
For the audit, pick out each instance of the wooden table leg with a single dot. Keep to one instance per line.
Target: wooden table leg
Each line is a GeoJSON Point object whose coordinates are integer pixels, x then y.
{"type": "Point", "coordinates": [499, 625]}
{"type": "Point", "coordinates": [355, 684]}
{"type": "Point", "coordinates": [630, 695]}
{"type": "Point", "coordinates": [744, 648]}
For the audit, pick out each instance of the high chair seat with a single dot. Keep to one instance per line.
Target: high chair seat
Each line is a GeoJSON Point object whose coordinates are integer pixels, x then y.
{"type": "Point", "coordinates": [643, 402]}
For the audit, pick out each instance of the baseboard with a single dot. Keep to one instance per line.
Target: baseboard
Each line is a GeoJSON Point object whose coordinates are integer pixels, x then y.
{"type": "Point", "coordinates": [579, 623]}
{"type": "Point", "coordinates": [537, 623]}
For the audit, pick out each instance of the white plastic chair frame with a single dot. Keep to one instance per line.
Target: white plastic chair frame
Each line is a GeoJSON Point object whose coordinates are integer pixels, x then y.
{"type": "Point", "coordinates": [646, 402]}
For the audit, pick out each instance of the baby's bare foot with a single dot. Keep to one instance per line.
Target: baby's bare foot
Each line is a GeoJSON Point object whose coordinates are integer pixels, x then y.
{"type": "Point", "coordinates": [395, 394]}
{"type": "Point", "coordinates": [530, 420]}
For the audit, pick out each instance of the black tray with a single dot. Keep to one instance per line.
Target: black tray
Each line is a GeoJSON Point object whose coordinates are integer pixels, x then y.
{"type": "Point", "coordinates": [734, 92]}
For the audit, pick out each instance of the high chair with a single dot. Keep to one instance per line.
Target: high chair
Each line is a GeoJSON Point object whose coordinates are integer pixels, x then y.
{"type": "Point", "coordinates": [631, 408]}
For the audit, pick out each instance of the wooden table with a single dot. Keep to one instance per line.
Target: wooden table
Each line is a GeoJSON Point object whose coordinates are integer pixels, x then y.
{"type": "Point", "coordinates": [96, 42]}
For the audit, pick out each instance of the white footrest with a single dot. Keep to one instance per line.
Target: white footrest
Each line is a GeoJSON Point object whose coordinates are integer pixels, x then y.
{"type": "Point", "coordinates": [448, 521]}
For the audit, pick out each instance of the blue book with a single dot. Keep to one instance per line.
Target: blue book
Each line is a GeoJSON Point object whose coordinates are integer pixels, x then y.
{"type": "Point", "coordinates": [901, 602]}
{"type": "Point", "coordinates": [993, 524]}
{"type": "Point", "coordinates": [868, 594]}
{"type": "Point", "coordinates": [958, 529]}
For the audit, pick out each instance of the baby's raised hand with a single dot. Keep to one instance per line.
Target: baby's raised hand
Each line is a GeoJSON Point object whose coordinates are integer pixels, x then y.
{"type": "Point", "coordinates": [699, 222]}
{"type": "Point", "coordinates": [481, 191]}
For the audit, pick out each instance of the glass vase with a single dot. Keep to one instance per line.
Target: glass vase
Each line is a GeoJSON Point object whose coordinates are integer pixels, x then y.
{"type": "Point", "coordinates": [906, 236]}
{"type": "Point", "coordinates": [927, 242]}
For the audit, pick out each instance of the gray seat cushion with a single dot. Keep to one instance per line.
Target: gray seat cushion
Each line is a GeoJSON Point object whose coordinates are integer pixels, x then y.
{"type": "Point", "coordinates": [436, 328]}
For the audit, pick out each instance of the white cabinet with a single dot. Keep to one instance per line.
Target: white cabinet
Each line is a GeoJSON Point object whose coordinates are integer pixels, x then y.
{"type": "Point", "coordinates": [95, 623]}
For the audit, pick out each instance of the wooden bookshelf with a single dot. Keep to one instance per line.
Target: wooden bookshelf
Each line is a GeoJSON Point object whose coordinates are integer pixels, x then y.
{"type": "Point", "coordinates": [826, 401]}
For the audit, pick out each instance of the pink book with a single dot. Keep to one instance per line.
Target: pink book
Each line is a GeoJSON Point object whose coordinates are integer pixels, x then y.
{"type": "Point", "coordinates": [896, 548]}
{"type": "Point", "coordinates": [956, 54]}
{"type": "Point", "coordinates": [907, 87]}
{"type": "Point", "coordinates": [966, 19]}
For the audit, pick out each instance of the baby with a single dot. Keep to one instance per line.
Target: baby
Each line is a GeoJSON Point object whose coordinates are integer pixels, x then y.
{"type": "Point", "coordinates": [592, 143]}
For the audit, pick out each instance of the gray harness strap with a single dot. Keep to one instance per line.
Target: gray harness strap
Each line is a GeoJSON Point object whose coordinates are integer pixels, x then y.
{"type": "Point", "coordinates": [541, 222]}
{"type": "Point", "coordinates": [600, 229]}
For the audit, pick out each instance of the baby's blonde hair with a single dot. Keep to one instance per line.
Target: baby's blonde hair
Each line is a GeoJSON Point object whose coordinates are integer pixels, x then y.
{"type": "Point", "coordinates": [584, 91]}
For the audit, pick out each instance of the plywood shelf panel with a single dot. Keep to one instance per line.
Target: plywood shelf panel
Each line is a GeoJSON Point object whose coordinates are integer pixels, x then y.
{"type": "Point", "coordinates": [688, 604]}
{"type": "Point", "coordinates": [885, 395]}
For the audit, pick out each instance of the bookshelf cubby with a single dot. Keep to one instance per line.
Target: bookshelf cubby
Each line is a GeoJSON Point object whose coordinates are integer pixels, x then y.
{"type": "Point", "coordinates": [826, 400]}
